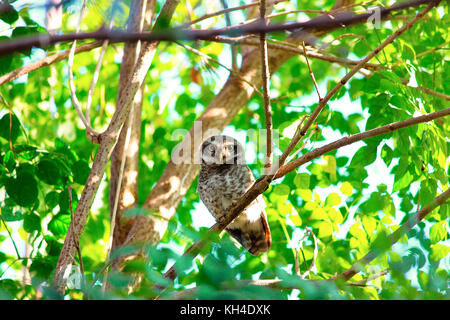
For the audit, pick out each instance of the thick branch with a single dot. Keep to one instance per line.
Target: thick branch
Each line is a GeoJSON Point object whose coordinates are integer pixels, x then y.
{"type": "Point", "coordinates": [127, 197]}
{"type": "Point", "coordinates": [285, 169]}
{"type": "Point", "coordinates": [107, 141]}
{"type": "Point", "coordinates": [325, 23]}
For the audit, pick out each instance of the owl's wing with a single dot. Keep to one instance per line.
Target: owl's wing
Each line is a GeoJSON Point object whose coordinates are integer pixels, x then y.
{"type": "Point", "coordinates": [251, 229]}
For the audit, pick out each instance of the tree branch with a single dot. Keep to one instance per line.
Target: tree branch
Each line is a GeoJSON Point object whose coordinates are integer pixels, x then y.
{"type": "Point", "coordinates": [323, 102]}
{"type": "Point", "coordinates": [311, 74]}
{"type": "Point", "coordinates": [90, 132]}
{"type": "Point", "coordinates": [325, 23]}
{"type": "Point", "coordinates": [269, 283]}
{"type": "Point", "coordinates": [265, 76]}
{"type": "Point", "coordinates": [140, 16]}
{"type": "Point", "coordinates": [396, 235]}
{"type": "Point", "coordinates": [285, 169]}
{"type": "Point", "coordinates": [47, 61]}
{"type": "Point", "coordinates": [107, 141]}
{"type": "Point", "coordinates": [227, 10]}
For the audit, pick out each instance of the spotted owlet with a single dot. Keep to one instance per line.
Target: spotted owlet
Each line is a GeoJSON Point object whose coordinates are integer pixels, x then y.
{"type": "Point", "coordinates": [223, 179]}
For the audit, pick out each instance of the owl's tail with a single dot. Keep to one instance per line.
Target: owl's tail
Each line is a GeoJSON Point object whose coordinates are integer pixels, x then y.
{"type": "Point", "coordinates": [255, 238]}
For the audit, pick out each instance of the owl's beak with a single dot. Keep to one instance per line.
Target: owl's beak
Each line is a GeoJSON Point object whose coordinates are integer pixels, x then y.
{"type": "Point", "coordinates": [224, 156]}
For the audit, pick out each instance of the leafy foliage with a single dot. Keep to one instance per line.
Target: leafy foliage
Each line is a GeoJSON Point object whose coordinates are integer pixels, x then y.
{"type": "Point", "coordinates": [351, 198]}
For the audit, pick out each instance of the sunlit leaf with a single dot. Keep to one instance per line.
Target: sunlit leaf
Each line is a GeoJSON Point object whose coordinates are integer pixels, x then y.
{"type": "Point", "coordinates": [439, 251]}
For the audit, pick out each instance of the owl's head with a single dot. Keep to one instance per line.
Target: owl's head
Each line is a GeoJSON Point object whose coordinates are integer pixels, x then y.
{"type": "Point", "coordinates": [219, 150]}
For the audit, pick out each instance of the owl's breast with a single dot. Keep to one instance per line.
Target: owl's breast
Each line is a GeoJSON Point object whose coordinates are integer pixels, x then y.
{"type": "Point", "coordinates": [219, 187]}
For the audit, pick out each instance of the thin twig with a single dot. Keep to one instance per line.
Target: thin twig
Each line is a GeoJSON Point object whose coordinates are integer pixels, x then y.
{"type": "Point", "coordinates": [308, 231]}
{"type": "Point", "coordinates": [235, 73]}
{"type": "Point", "coordinates": [278, 14]}
{"type": "Point", "coordinates": [47, 61]}
{"type": "Point", "coordinates": [233, 47]}
{"type": "Point", "coordinates": [265, 74]}
{"type": "Point", "coordinates": [290, 47]}
{"type": "Point", "coordinates": [396, 235]}
{"type": "Point", "coordinates": [91, 134]}
{"type": "Point", "coordinates": [311, 73]}
{"type": "Point", "coordinates": [363, 282]}
{"type": "Point", "coordinates": [293, 155]}
{"type": "Point", "coordinates": [98, 65]}
{"type": "Point", "coordinates": [225, 11]}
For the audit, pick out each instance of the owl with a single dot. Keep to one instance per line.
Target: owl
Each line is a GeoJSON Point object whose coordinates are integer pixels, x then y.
{"type": "Point", "coordinates": [223, 179]}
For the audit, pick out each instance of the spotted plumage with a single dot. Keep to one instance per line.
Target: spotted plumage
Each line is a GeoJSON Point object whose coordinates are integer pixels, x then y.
{"type": "Point", "coordinates": [223, 179]}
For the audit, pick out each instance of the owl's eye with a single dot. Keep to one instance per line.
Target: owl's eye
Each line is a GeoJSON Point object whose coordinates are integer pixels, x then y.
{"type": "Point", "coordinates": [211, 148]}
{"type": "Point", "coordinates": [230, 147]}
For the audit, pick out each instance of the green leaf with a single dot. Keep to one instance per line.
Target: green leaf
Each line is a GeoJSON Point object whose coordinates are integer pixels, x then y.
{"type": "Point", "coordinates": [32, 222]}
{"type": "Point", "coordinates": [10, 127]}
{"type": "Point", "coordinates": [59, 224]}
{"type": "Point", "coordinates": [8, 214]}
{"type": "Point", "coordinates": [408, 52]}
{"type": "Point", "coordinates": [325, 229]}
{"type": "Point", "coordinates": [23, 190]}
{"type": "Point", "coordinates": [52, 199]}
{"type": "Point", "coordinates": [330, 166]}
{"type": "Point", "coordinates": [8, 14]}
{"type": "Point", "coordinates": [439, 251]}
{"type": "Point", "coordinates": [49, 172]}
{"type": "Point", "coordinates": [305, 194]}
{"type": "Point", "coordinates": [438, 232]}
{"type": "Point", "coordinates": [363, 157]}
{"type": "Point", "coordinates": [9, 161]}
{"type": "Point", "coordinates": [423, 280]}
{"type": "Point", "coordinates": [369, 223]}
{"type": "Point", "coordinates": [333, 199]}
{"type": "Point", "coordinates": [387, 154]}
{"type": "Point", "coordinates": [80, 170]}
{"type": "Point", "coordinates": [381, 242]}
{"type": "Point", "coordinates": [346, 188]}
{"type": "Point", "coordinates": [402, 181]}
{"type": "Point", "coordinates": [281, 190]}
{"type": "Point", "coordinates": [428, 189]}
{"type": "Point", "coordinates": [301, 181]}
{"type": "Point", "coordinates": [296, 220]}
